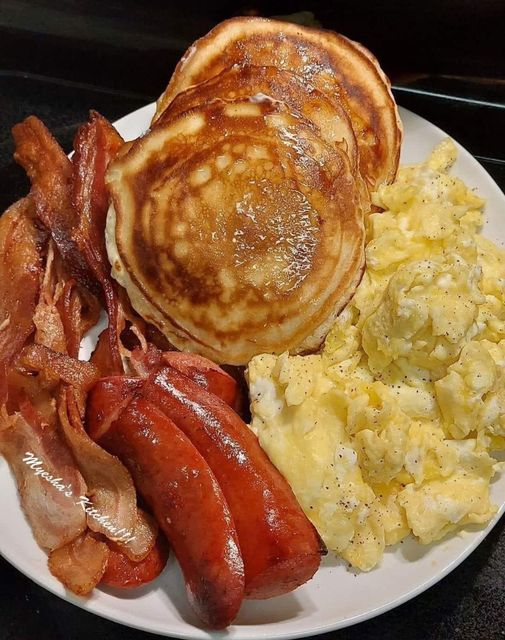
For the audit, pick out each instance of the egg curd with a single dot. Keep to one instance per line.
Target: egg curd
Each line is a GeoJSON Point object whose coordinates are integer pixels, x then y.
{"type": "Point", "coordinates": [388, 431]}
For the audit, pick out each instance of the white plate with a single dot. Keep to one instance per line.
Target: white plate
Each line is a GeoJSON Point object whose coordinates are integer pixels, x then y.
{"type": "Point", "coordinates": [336, 597]}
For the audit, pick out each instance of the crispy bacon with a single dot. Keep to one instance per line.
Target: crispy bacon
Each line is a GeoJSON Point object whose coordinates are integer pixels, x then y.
{"type": "Point", "coordinates": [35, 389]}
{"type": "Point", "coordinates": [110, 485]}
{"type": "Point", "coordinates": [78, 373]}
{"type": "Point", "coordinates": [21, 268]}
{"type": "Point", "coordinates": [71, 201]}
{"type": "Point", "coordinates": [80, 564]}
{"type": "Point", "coordinates": [95, 144]}
{"type": "Point", "coordinates": [50, 172]}
{"type": "Point", "coordinates": [124, 573]}
{"type": "Point", "coordinates": [49, 326]}
{"type": "Point", "coordinates": [101, 356]}
{"type": "Point", "coordinates": [65, 311]}
{"type": "Point", "coordinates": [37, 454]}
{"type": "Point", "coordinates": [139, 359]}
{"type": "Point", "coordinates": [144, 537]}
{"type": "Point", "coordinates": [79, 311]}
{"type": "Point", "coordinates": [69, 309]}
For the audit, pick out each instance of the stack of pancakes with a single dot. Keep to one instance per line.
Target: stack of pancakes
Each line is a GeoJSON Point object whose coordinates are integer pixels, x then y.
{"type": "Point", "coordinates": [236, 222]}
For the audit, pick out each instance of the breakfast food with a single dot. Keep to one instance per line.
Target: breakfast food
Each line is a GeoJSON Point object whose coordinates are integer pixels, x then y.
{"type": "Point", "coordinates": [236, 228]}
{"type": "Point", "coordinates": [189, 504]}
{"type": "Point", "coordinates": [21, 269]}
{"type": "Point", "coordinates": [250, 81]}
{"type": "Point", "coordinates": [90, 524]}
{"type": "Point", "coordinates": [389, 430]}
{"type": "Point", "coordinates": [236, 223]}
{"type": "Point", "coordinates": [123, 573]}
{"type": "Point", "coordinates": [275, 559]}
{"type": "Point", "coordinates": [257, 82]}
{"type": "Point", "coordinates": [343, 70]}
{"type": "Point", "coordinates": [54, 520]}
{"type": "Point", "coordinates": [223, 249]}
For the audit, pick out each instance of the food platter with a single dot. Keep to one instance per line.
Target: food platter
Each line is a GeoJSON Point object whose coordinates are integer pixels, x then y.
{"type": "Point", "coordinates": [336, 597]}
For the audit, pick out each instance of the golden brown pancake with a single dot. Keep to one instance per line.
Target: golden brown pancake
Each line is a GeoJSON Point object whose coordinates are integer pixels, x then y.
{"type": "Point", "coordinates": [245, 81]}
{"type": "Point", "coordinates": [300, 96]}
{"type": "Point", "coordinates": [345, 71]}
{"type": "Point", "coordinates": [236, 230]}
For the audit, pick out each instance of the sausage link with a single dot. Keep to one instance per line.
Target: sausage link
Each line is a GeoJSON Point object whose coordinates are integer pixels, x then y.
{"type": "Point", "coordinates": [188, 504]}
{"type": "Point", "coordinates": [280, 547]}
{"type": "Point", "coordinates": [106, 400]}
{"type": "Point", "coordinates": [201, 370]}
{"type": "Point", "coordinates": [123, 573]}
{"type": "Point", "coordinates": [206, 373]}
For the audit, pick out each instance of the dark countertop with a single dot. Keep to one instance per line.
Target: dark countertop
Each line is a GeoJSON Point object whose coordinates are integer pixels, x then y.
{"type": "Point", "coordinates": [460, 89]}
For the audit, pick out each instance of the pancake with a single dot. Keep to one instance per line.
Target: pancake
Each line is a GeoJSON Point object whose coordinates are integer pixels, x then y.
{"type": "Point", "coordinates": [236, 230]}
{"type": "Point", "coordinates": [345, 71]}
{"type": "Point", "coordinates": [245, 81]}
{"type": "Point", "coordinates": [278, 84]}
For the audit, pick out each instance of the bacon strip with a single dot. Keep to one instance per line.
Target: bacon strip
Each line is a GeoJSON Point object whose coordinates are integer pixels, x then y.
{"type": "Point", "coordinates": [101, 356]}
{"type": "Point", "coordinates": [70, 199]}
{"type": "Point", "coordinates": [34, 389]}
{"type": "Point", "coordinates": [96, 143]}
{"type": "Point", "coordinates": [110, 485]}
{"type": "Point", "coordinates": [21, 268]}
{"type": "Point", "coordinates": [124, 573]}
{"type": "Point", "coordinates": [50, 331]}
{"type": "Point", "coordinates": [143, 540]}
{"type": "Point", "coordinates": [65, 311]}
{"type": "Point", "coordinates": [79, 311]}
{"type": "Point", "coordinates": [78, 373]}
{"type": "Point", "coordinates": [80, 564]}
{"type": "Point", "coordinates": [36, 454]}
{"type": "Point", "coordinates": [69, 308]}
{"type": "Point", "coordinates": [50, 172]}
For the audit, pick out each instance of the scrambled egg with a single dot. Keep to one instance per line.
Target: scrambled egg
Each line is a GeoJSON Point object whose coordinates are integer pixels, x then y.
{"type": "Point", "coordinates": [388, 431]}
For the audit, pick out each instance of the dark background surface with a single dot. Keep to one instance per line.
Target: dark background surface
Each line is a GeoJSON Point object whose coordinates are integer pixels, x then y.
{"type": "Point", "coordinates": [446, 58]}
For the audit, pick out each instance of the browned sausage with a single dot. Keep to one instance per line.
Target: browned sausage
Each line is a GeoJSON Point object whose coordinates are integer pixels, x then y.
{"type": "Point", "coordinates": [123, 573]}
{"type": "Point", "coordinates": [204, 372]}
{"type": "Point", "coordinates": [188, 504]}
{"type": "Point", "coordinates": [106, 400]}
{"type": "Point", "coordinates": [201, 370]}
{"type": "Point", "coordinates": [280, 547]}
